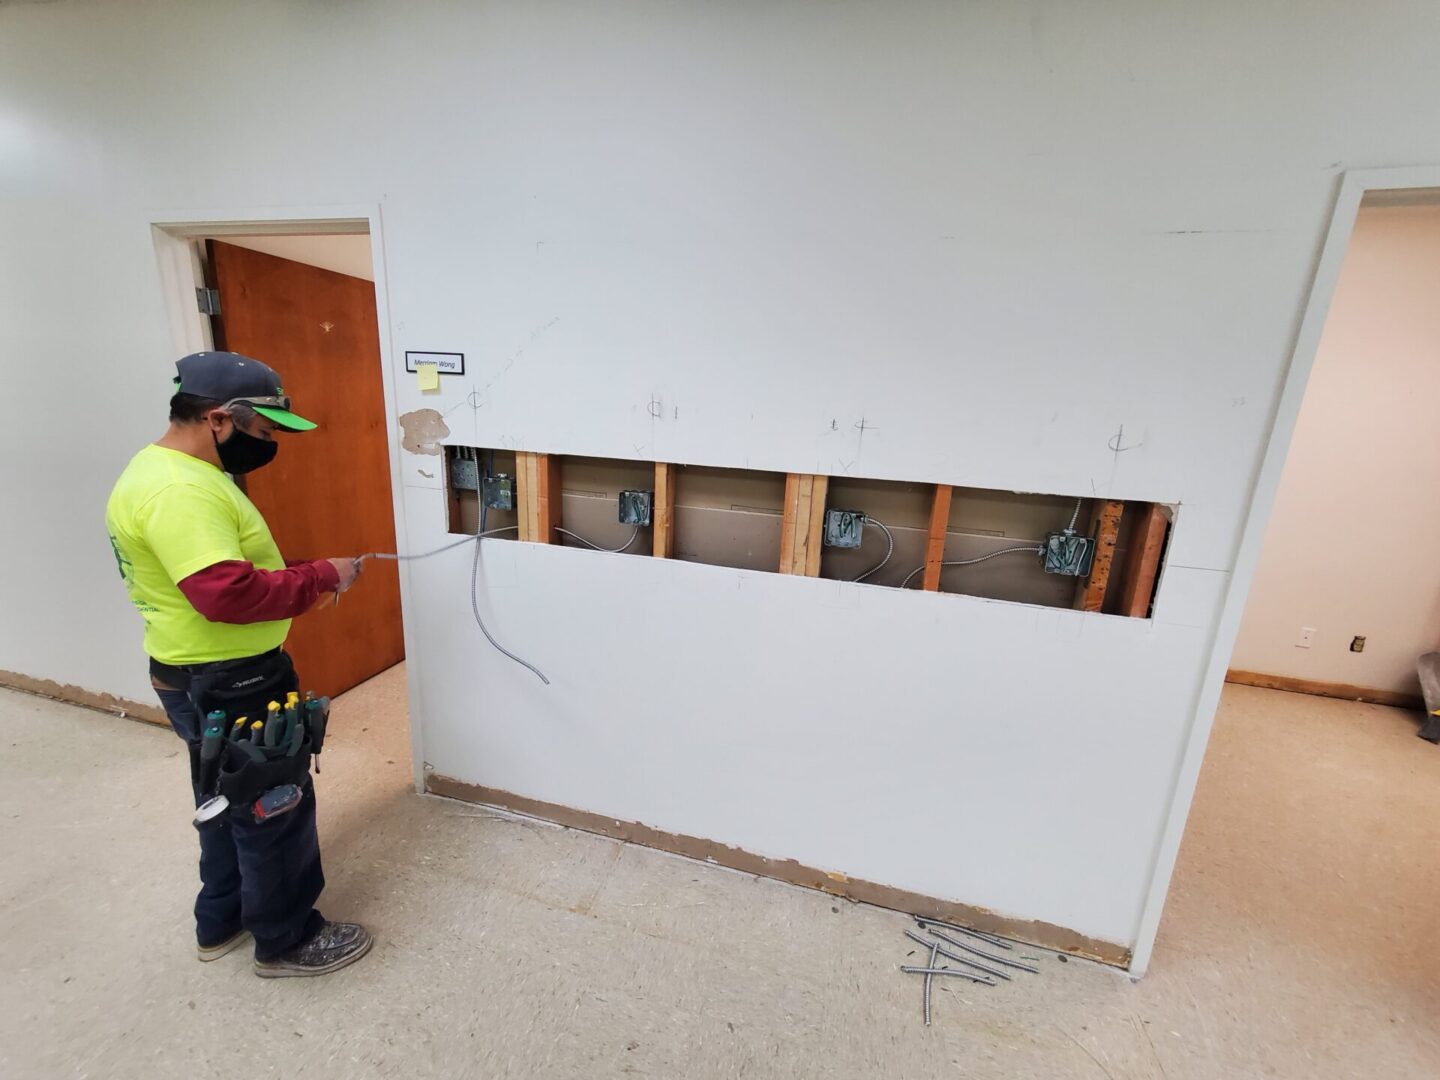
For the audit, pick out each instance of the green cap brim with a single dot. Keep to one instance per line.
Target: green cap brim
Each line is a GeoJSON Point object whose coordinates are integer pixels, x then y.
{"type": "Point", "coordinates": [285, 419]}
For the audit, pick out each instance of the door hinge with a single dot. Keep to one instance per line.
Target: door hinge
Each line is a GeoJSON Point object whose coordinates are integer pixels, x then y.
{"type": "Point", "coordinates": [208, 300]}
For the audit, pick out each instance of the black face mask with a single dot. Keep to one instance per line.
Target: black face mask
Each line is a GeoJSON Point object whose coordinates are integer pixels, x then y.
{"type": "Point", "coordinates": [241, 453]}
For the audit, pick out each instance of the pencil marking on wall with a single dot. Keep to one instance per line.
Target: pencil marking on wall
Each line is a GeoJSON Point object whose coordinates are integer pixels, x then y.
{"type": "Point", "coordinates": [479, 396]}
{"type": "Point", "coordinates": [656, 408]}
{"type": "Point", "coordinates": [473, 399]}
{"type": "Point", "coordinates": [862, 425]}
{"type": "Point", "coordinates": [1118, 445]}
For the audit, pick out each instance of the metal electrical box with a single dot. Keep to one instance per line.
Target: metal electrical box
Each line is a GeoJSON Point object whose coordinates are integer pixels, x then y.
{"type": "Point", "coordinates": [844, 528]}
{"type": "Point", "coordinates": [464, 469]}
{"type": "Point", "coordinates": [1069, 553]}
{"type": "Point", "coordinates": [498, 492]}
{"type": "Point", "coordinates": [635, 507]}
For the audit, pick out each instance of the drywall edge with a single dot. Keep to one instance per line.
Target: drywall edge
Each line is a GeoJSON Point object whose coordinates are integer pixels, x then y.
{"type": "Point", "coordinates": [1046, 935]}
{"type": "Point", "coordinates": [1354, 183]}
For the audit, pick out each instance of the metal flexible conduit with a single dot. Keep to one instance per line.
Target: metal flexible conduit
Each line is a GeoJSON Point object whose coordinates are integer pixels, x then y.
{"type": "Point", "coordinates": [474, 588]}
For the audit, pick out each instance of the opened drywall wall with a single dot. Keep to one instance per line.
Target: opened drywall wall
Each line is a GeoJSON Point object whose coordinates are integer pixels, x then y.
{"type": "Point", "coordinates": [1350, 549]}
{"type": "Point", "coordinates": [1049, 248]}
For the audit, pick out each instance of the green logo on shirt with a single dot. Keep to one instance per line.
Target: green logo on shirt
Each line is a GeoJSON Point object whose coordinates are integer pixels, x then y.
{"type": "Point", "coordinates": [123, 564]}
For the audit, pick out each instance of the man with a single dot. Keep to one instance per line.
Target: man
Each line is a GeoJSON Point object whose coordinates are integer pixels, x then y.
{"type": "Point", "coordinates": [217, 599]}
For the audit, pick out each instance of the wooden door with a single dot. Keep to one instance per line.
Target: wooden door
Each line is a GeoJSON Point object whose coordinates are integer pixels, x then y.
{"type": "Point", "coordinates": [327, 493]}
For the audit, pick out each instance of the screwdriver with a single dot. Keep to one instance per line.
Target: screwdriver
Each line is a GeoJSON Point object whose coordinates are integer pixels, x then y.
{"type": "Point", "coordinates": [273, 724]}
{"type": "Point", "coordinates": [210, 748]}
{"type": "Point", "coordinates": [239, 728]}
{"type": "Point", "coordinates": [317, 712]}
{"type": "Point", "coordinates": [256, 731]}
{"type": "Point", "coordinates": [292, 717]}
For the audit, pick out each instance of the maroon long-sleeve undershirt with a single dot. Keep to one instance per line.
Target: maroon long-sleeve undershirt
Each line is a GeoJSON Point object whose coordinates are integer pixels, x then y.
{"type": "Point", "coordinates": [238, 592]}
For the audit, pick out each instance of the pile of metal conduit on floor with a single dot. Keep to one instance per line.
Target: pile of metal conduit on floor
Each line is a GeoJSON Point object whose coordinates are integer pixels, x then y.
{"type": "Point", "coordinates": [980, 966]}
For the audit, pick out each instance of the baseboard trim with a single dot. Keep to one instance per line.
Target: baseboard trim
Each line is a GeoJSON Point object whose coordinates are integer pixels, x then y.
{"type": "Point", "coordinates": [1345, 691]}
{"type": "Point", "coordinates": [788, 870]}
{"type": "Point", "coordinates": [89, 699]}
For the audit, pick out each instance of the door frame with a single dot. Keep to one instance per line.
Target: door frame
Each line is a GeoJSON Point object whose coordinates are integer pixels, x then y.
{"type": "Point", "coordinates": [1354, 185]}
{"type": "Point", "coordinates": [173, 234]}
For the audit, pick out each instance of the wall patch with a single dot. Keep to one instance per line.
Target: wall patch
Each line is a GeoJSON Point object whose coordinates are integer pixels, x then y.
{"type": "Point", "coordinates": [422, 430]}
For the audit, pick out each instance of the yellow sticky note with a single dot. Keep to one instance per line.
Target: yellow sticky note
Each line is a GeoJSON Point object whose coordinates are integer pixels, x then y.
{"type": "Point", "coordinates": [428, 375]}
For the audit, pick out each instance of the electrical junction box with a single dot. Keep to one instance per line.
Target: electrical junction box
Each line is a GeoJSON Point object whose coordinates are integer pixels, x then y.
{"type": "Point", "coordinates": [1069, 553]}
{"type": "Point", "coordinates": [635, 507]}
{"type": "Point", "coordinates": [464, 470]}
{"type": "Point", "coordinates": [498, 492]}
{"type": "Point", "coordinates": [844, 528]}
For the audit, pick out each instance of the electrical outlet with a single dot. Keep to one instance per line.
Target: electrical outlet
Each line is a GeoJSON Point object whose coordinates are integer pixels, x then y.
{"type": "Point", "coordinates": [1357, 643]}
{"type": "Point", "coordinates": [1306, 638]}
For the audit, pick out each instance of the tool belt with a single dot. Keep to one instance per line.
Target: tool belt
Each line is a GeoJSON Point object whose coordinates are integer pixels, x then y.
{"type": "Point", "coordinates": [245, 770]}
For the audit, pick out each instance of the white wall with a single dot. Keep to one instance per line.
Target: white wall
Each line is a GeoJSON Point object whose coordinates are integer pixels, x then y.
{"type": "Point", "coordinates": [995, 233]}
{"type": "Point", "coordinates": [1350, 548]}
{"type": "Point", "coordinates": [343, 254]}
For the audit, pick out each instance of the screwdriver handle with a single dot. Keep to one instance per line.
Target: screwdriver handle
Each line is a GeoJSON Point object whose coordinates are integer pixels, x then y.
{"type": "Point", "coordinates": [210, 752]}
{"type": "Point", "coordinates": [317, 714]}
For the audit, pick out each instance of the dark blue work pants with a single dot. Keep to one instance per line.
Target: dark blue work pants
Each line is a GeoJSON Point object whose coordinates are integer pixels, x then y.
{"type": "Point", "coordinates": [264, 878]}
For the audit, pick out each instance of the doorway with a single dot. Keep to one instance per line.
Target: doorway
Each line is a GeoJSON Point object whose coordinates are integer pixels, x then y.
{"type": "Point", "coordinates": [301, 295]}
{"type": "Point", "coordinates": [1411, 185]}
{"type": "Point", "coordinates": [1346, 595]}
{"type": "Point", "coordinates": [328, 491]}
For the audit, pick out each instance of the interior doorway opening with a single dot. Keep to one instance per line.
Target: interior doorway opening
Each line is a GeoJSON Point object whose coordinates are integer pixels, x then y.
{"type": "Point", "coordinates": [1346, 596]}
{"type": "Point", "coordinates": [1359, 190]}
{"type": "Point", "coordinates": [302, 297]}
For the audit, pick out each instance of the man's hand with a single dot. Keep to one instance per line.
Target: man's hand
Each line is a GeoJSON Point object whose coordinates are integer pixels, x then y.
{"type": "Point", "coordinates": [348, 569]}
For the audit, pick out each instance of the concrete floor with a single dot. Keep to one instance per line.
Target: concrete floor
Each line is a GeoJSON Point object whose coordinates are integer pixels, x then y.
{"type": "Point", "coordinates": [1298, 941]}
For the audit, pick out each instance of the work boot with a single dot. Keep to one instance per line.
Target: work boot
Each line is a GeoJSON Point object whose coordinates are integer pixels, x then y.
{"type": "Point", "coordinates": [222, 948]}
{"type": "Point", "coordinates": [330, 948]}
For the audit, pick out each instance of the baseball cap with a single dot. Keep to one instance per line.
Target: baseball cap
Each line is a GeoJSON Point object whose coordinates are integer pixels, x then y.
{"type": "Point", "coordinates": [232, 379]}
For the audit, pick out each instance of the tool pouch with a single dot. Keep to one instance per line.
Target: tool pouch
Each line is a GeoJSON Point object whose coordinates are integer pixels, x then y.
{"type": "Point", "coordinates": [248, 771]}
{"type": "Point", "coordinates": [244, 688]}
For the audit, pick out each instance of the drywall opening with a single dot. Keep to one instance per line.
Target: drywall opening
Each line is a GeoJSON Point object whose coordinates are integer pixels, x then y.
{"type": "Point", "coordinates": [982, 524]}
{"type": "Point", "coordinates": [592, 505]}
{"type": "Point", "coordinates": [728, 517]}
{"type": "Point", "coordinates": [999, 545]}
{"type": "Point", "coordinates": [901, 510]}
{"type": "Point", "coordinates": [471, 470]}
